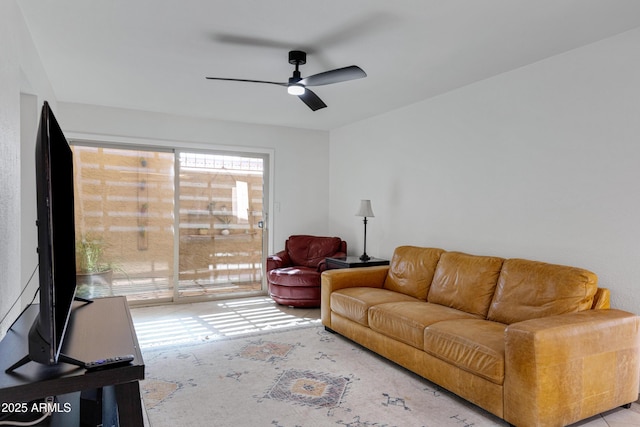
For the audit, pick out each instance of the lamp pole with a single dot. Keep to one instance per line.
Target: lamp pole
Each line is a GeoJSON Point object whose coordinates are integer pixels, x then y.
{"type": "Point", "coordinates": [364, 256]}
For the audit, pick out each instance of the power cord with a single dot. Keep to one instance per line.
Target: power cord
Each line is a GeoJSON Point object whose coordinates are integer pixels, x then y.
{"type": "Point", "coordinates": [49, 404]}
{"type": "Point", "coordinates": [20, 296]}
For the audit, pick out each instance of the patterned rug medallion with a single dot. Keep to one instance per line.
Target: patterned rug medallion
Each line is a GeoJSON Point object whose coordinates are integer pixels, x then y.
{"type": "Point", "coordinates": [291, 378]}
{"type": "Point", "coordinates": [309, 388]}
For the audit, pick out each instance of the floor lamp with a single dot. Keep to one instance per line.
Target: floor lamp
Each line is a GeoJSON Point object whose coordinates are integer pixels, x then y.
{"type": "Point", "coordinates": [365, 211]}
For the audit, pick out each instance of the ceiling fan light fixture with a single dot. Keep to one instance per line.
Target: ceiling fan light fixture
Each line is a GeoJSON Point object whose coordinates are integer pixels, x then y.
{"type": "Point", "coordinates": [295, 90]}
{"type": "Point", "coordinates": [297, 86]}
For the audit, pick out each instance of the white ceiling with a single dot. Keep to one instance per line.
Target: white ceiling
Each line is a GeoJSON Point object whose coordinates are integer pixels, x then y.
{"type": "Point", "coordinates": [154, 54]}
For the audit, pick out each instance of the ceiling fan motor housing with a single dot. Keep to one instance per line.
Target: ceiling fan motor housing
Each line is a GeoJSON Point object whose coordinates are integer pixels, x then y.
{"type": "Point", "coordinates": [297, 57]}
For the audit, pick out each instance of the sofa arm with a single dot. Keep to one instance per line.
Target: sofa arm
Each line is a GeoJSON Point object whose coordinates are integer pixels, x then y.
{"type": "Point", "coordinates": [278, 260]}
{"type": "Point", "coordinates": [333, 280]}
{"type": "Point", "coordinates": [561, 369]}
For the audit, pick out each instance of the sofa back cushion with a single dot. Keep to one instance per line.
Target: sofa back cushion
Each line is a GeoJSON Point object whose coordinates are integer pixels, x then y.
{"type": "Point", "coordinates": [310, 251]}
{"type": "Point", "coordinates": [411, 270]}
{"type": "Point", "coordinates": [531, 289]}
{"type": "Point", "coordinates": [466, 282]}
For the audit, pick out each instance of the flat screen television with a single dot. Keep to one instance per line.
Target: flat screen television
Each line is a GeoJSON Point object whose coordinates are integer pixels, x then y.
{"type": "Point", "coordinates": [56, 243]}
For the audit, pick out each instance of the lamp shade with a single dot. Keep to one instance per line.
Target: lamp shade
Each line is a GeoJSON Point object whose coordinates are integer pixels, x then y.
{"type": "Point", "coordinates": [365, 209]}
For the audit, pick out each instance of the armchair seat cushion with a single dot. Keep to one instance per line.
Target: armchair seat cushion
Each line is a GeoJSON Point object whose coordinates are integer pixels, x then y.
{"type": "Point", "coordinates": [295, 296]}
{"type": "Point", "coordinates": [294, 276]}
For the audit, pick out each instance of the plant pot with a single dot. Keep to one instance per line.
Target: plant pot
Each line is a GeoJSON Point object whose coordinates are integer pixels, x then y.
{"type": "Point", "coordinates": [94, 285]}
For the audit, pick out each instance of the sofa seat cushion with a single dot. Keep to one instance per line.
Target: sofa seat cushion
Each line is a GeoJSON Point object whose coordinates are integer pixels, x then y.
{"type": "Point", "coordinates": [354, 303]}
{"type": "Point", "coordinates": [466, 282]}
{"type": "Point", "coordinates": [475, 345]}
{"type": "Point", "coordinates": [295, 276]}
{"type": "Point", "coordinates": [406, 321]}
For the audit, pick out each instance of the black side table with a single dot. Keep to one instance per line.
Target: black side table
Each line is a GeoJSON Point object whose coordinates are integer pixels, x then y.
{"type": "Point", "coordinates": [353, 261]}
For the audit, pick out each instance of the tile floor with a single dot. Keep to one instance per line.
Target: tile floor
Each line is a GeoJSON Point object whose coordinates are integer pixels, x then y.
{"type": "Point", "coordinates": [203, 321]}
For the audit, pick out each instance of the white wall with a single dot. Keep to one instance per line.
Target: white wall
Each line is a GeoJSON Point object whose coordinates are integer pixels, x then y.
{"type": "Point", "coordinates": [542, 162]}
{"type": "Point", "coordinates": [29, 117]}
{"type": "Point", "coordinates": [9, 169]}
{"type": "Point", "coordinates": [300, 157]}
{"type": "Point", "coordinates": [21, 72]}
{"type": "Point", "coordinates": [300, 167]}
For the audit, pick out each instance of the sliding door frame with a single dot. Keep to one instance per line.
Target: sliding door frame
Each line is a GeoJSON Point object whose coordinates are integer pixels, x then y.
{"type": "Point", "coordinates": [176, 147]}
{"type": "Point", "coordinates": [264, 231]}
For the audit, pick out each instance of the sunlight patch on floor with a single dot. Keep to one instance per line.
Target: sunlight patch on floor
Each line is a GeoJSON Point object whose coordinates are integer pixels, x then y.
{"type": "Point", "coordinates": [222, 319]}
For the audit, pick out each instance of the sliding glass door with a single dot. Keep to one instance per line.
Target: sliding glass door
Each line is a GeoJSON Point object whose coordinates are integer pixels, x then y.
{"type": "Point", "coordinates": [220, 211]}
{"type": "Point", "coordinates": [168, 225]}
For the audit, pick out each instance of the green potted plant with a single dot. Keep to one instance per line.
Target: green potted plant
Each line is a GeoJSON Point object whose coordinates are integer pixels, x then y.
{"type": "Point", "coordinates": [94, 275]}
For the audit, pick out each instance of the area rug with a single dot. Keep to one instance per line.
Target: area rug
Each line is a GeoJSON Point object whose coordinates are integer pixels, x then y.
{"type": "Point", "coordinates": [295, 377]}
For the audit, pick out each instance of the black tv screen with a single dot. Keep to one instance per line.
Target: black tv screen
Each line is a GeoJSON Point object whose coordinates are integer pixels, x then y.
{"type": "Point", "coordinates": [56, 239]}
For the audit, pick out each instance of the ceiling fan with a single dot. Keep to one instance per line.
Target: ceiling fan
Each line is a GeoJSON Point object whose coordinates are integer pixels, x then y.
{"type": "Point", "coordinates": [299, 86]}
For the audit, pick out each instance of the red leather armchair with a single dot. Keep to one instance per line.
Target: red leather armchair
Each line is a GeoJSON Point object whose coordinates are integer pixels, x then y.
{"type": "Point", "coordinates": [293, 274]}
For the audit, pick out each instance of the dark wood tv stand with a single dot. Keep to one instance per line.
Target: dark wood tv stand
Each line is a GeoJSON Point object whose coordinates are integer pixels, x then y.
{"type": "Point", "coordinates": [99, 330]}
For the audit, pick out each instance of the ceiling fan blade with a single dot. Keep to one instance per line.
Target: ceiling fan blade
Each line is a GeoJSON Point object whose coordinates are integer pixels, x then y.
{"type": "Point", "coordinates": [312, 100]}
{"type": "Point", "coordinates": [334, 76]}
{"type": "Point", "coordinates": [247, 81]}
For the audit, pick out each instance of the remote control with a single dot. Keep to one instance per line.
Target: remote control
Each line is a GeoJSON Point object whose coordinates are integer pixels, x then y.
{"type": "Point", "coordinates": [111, 362]}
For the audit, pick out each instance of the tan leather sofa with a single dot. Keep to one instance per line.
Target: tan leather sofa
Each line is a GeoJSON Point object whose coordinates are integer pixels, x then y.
{"type": "Point", "coordinates": [533, 343]}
